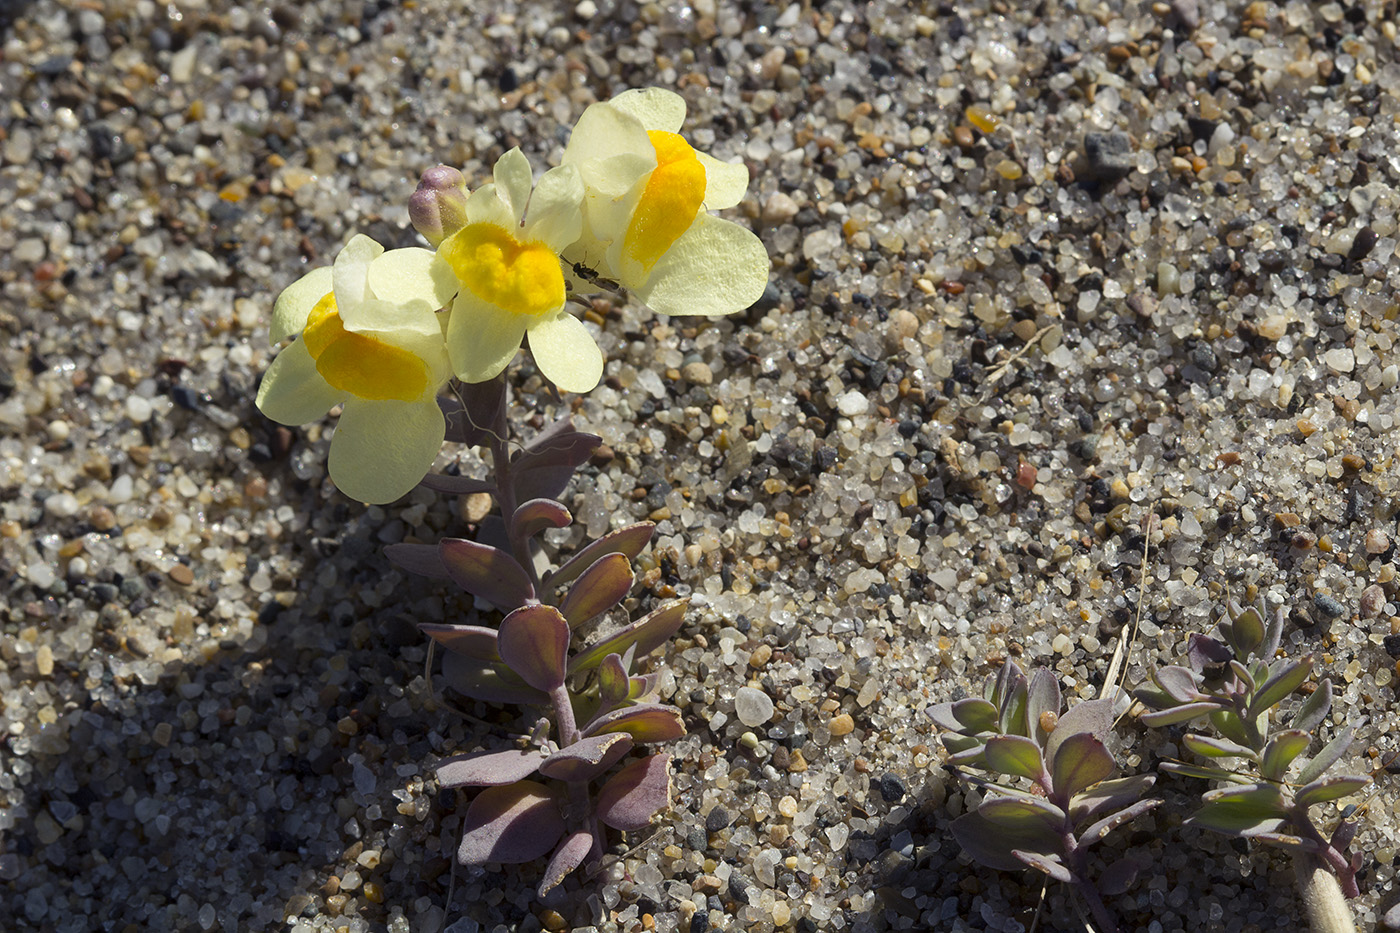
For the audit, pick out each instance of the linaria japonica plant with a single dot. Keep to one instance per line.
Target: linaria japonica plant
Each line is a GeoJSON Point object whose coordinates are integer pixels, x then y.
{"type": "Point", "coordinates": [413, 345]}
{"type": "Point", "coordinates": [1064, 796]}
{"type": "Point", "coordinates": [1267, 790]}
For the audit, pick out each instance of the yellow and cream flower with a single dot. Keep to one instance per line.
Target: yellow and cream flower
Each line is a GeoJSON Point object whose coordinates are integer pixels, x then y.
{"type": "Point", "coordinates": [645, 209]}
{"type": "Point", "coordinates": [505, 260]}
{"type": "Point", "coordinates": [369, 337]}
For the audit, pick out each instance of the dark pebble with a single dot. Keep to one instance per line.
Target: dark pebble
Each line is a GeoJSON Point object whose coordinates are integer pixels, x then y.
{"type": "Point", "coordinates": [1203, 358]}
{"type": "Point", "coordinates": [1109, 157]}
{"type": "Point", "coordinates": [1362, 245]}
{"type": "Point", "coordinates": [1328, 606]}
{"type": "Point", "coordinates": [185, 397]}
{"type": "Point", "coordinates": [717, 819]}
{"type": "Point", "coordinates": [892, 789]}
{"type": "Point", "coordinates": [1392, 645]}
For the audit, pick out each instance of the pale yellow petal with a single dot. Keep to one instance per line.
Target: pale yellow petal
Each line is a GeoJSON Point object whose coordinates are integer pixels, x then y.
{"type": "Point", "coordinates": [485, 207]}
{"type": "Point", "coordinates": [411, 276]}
{"type": "Point", "coordinates": [381, 450]}
{"type": "Point", "coordinates": [655, 108]}
{"type": "Point", "coordinates": [481, 338]}
{"type": "Point", "coordinates": [604, 131]}
{"type": "Point", "coordinates": [513, 178]}
{"type": "Point", "coordinates": [292, 391]}
{"type": "Point", "coordinates": [725, 182]}
{"type": "Point", "coordinates": [716, 267]}
{"type": "Point", "coordinates": [296, 301]}
{"type": "Point", "coordinates": [566, 353]}
{"type": "Point", "coordinates": [555, 215]}
{"type": "Point", "coordinates": [350, 273]}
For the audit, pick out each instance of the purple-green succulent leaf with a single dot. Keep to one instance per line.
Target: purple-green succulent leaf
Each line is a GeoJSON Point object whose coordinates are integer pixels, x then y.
{"type": "Point", "coordinates": [471, 411]}
{"type": "Point", "coordinates": [1247, 632]}
{"type": "Point", "coordinates": [1105, 825]}
{"type": "Point", "coordinates": [1013, 812]}
{"type": "Point", "coordinates": [1331, 753]}
{"type": "Point", "coordinates": [1243, 810]}
{"type": "Point", "coordinates": [457, 485]}
{"type": "Point", "coordinates": [1184, 713]}
{"type": "Point", "coordinates": [1015, 755]}
{"type": "Point", "coordinates": [1312, 712]}
{"type": "Point", "coordinates": [1119, 876]}
{"type": "Point", "coordinates": [1286, 840]}
{"type": "Point", "coordinates": [647, 634]}
{"type": "Point", "coordinates": [972, 715]}
{"type": "Point", "coordinates": [1011, 715]}
{"type": "Point", "coordinates": [629, 542]}
{"type": "Point", "coordinates": [642, 688]}
{"type": "Point", "coordinates": [1280, 751]}
{"type": "Point", "coordinates": [1203, 772]}
{"type": "Point", "coordinates": [1181, 684]}
{"type": "Point", "coordinates": [1274, 635]}
{"type": "Point", "coordinates": [481, 680]}
{"type": "Point", "coordinates": [488, 769]}
{"type": "Point", "coordinates": [635, 794]}
{"type": "Point", "coordinates": [1042, 696]}
{"type": "Point", "coordinates": [537, 515]}
{"type": "Point", "coordinates": [1288, 678]}
{"type": "Point", "coordinates": [568, 856]}
{"type": "Point", "coordinates": [1109, 795]}
{"type": "Point", "coordinates": [1343, 834]}
{"type": "Point", "coordinates": [487, 572]}
{"type": "Point", "coordinates": [1004, 683]}
{"type": "Point", "coordinates": [534, 643]}
{"type": "Point", "coordinates": [598, 589]}
{"type": "Point", "coordinates": [516, 823]}
{"type": "Point", "coordinates": [1050, 864]}
{"type": "Point", "coordinates": [957, 742]}
{"type": "Point", "coordinates": [473, 641]}
{"type": "Point", "coordinates": [1209, 746]}
{"type": "Point", "coordinates": [1227, 722]}
{"type": "Point", "coordinates": [993, 844]}
{"type": "Point", "coordinates": [651, 722]}
{"type": "Point", "coordinates": [548, 461]}
{"type": "Point", "coordinates": [1329, 788]}
{"type": "Point", "coordinates": [1080, 762]}
{"type": "Point", "coordinates": [993, 788]}
{"type": "Point", "coordinates": [612, 683]}
{"type": "Point", "coordinates": [1203, 652]}
{"type": "Point", "coordinates": [1094, 717]}
{"type": "Point", "coordinates": [973, 755]}
{"type": "Point", "coordinates": [421, 559]}
{"type": "Point", "coordinates": [588, 758]}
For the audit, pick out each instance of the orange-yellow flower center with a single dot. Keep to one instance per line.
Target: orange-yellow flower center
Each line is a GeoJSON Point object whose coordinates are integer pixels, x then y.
{"type": "Point", "coordinates": [670, 201]}
{"type": "Point", "coordinates": [522, 278]}
{"type": "Point", "coordinates": [360, 364]}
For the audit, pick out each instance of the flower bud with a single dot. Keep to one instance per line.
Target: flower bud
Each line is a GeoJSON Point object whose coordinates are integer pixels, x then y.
{"type": "Point", "coordinates": [438, 207]}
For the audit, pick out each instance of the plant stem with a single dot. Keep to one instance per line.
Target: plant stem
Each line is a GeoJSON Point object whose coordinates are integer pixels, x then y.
{"type": "Point", "coordinates": [1322, 896]}
{"type": "Point", "coordinates": [579, 800]}
{"type": "Point", "coordinates": [1078, 859]}
{"type": "Point", "coordinates": [505, 486]}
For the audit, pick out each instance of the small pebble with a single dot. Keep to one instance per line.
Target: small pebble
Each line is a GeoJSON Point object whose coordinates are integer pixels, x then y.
{"type": "Point", "coordinates": [752, 706]}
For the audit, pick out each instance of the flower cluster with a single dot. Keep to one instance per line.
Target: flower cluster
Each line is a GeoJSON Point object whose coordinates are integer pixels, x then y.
{"type": "Point", "coordinates": [383, 332]}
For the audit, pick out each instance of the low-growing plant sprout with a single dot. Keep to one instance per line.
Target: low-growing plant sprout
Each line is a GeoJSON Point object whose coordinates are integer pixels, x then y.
{"type": "Point", "coordinates": [1268, 790]}
{"type": "Point", "coordinates": [1063, 796]}
{"type": "Point", "coordinates": [383, 333]}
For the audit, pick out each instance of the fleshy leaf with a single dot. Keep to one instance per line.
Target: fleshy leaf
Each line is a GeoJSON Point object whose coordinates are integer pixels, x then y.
{"type": "Point", "coordinates": [1227, 722]}
{"type": "Point", "coordinates": [570, 855]}
{"type": "Point", "coordinates": [1094, 717]}
{"type": "Point", "coordinates": [1042, 696]}
{"type": "Point", "coordinates": [1011, 715]}
{"type": "Point", "coordinates": [641, 688]}
{"type": "Point", "coordinates": [650, 722]}
{"type": "Point", "coordinates": [629, 541]}
{"type": "Point", "coordinates": [973, 715]}
{"type": "Point", "coordinates": [1273, 635]}
{"type": "Point", "coordinates": [636, 793]}
{"type": "Point", "coordinates": [647, 634]}
{"type": "Point", "coordinates": [1203, 652]}
{"type": "Point", "coordinates": [1241, 811]}
{"type": "Point", "coordinates": [1179, 683]}
{"type": "Point", "coordinates": [1280, 752]}
{"type": "Point", "coordinates": [1051, 865]}
{"type": "Point", "coordinates": [993, 844]}
{"type": "Point", "coordinates": [1081, 761]}
{"type": "Point", "coordinates": [1015, 755]}
{"type": "Point", "coordinates": [1313, 711]}
{"type": "Point", "coordinates": [516, 823]}
{"type": "Point", "coordinates": [1209, 746]}
{"type": "Point", "coordinates": [1007, 679]}
{"type": "Point", "coordinates": [480, 680]}
{"type": "Point", "coordinates": [1332, 788]}
{"type": "Point", "coordinates": [545, 466]}
{"type": "Point", "coordinates": [422, 559]}
{"type": "Point", "coordinates": [489, 769]}
{"type": "Point", "coordinates": [1096, 831]}
{"type": "Point", "coordinates": [588, 758]}
{"type": "Point", "coordinates": [1017, 812]}
{"type": "Point", "coordinates": [537, 515]}
{"type": "Point", "coordinates": [534, 642]}
{"type": "Point", "coordinates": [1203, 772]}
{"type": "Point", "coordinates": [612, 683]}
{"type": "Point", "coordinates": [1183, 713]}
{"type": "Point", "coordinates": [1247, 632]}
{"type": "Point", "coordinates": [487, 572]}
{"type": "Point", "coordinates": [1109, 795]}
{"type": "Point", "coordinates": [474, 641]}
{"type": "Point", "coordinates": [456, 485]}
{"type": "Point", "coordinates": [597, 589]}
{"type": "Point", "coordinates": [1289, 678]}
{"type": "Point", "coordinates": [1119, 876]}
{"type": "Point", "coordinates": [1331, 753]}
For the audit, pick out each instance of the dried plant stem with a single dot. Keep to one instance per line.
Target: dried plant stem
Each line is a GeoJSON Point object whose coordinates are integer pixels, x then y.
{"type": "Point", "coordinates": [1322, 896]}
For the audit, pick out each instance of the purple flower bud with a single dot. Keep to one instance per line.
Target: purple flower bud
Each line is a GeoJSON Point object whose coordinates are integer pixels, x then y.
{"type": "Point", "coordinates": [438, 207]}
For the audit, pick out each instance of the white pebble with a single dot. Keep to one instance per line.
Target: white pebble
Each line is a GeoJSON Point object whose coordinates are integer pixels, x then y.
{"type": "Point", "coordinates": [138, 409]}
{"type": "Point", "coordinates": [62, 505]}
{"type": "Point", "coordinates": [853, 403]}
{"type": "Point", "coordinates": [1340, 360]}
{"type": "Point", "coordinates": [752, 706]}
